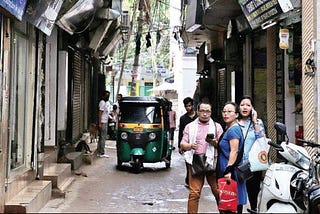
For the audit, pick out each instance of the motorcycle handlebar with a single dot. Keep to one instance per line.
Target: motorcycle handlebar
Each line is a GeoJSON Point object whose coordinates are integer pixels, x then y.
{"type": "Point", "coordinates": [276, 146]}
{"type": "Point", "coordinates": [309, 143]}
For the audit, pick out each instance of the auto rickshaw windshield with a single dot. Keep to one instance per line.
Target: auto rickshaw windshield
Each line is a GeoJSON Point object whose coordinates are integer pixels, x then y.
{"type": "Point", "coordinates": [140, 114]}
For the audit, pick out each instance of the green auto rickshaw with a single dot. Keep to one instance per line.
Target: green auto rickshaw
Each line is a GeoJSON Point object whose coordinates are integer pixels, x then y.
{"type": "Point", "coordinates": [142, 132]}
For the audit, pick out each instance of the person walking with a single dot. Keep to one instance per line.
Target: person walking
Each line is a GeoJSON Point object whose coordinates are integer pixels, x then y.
{"type": "Point", "coordinates": [172, 119]}
{"type": "Point", "coordinates": [196, 95]}
{"type": "Point", "coordinates": [252, 128]}
{"type": "Point", "coordinates": [119, 98]}
{"type": "Point", "coordinates": [104, 107]}
{"type": "Point", "coordinates": [185, 119]}
{"type": "Point", "coordinates": [195, 141]}
{"type": "Point", "coordinates": [230, 156]}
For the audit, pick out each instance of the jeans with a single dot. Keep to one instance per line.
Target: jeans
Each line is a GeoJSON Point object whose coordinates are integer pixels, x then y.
{"type": "Point", "coordinates": [253, 188]}
{"type": "Point", "coordinates": [103, 133]}
{"type": "Point", "coordinates": [195, 185]}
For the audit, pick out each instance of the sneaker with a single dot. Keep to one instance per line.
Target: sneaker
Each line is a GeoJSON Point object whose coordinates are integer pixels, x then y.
{"type": "Point", "coordinates": [104, 156]}
{"type": "Point", "coordinates": [252, 211]}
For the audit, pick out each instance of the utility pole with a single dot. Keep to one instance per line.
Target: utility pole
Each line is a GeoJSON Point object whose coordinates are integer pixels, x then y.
{"type": "Point", "coordinates": [135, 5]}
{"type": "Point", "coordinates": [135, 67]}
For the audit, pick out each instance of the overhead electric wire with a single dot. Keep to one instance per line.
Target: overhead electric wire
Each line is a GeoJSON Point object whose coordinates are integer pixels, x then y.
{"type": "Point", "coordinates": [135, 5]}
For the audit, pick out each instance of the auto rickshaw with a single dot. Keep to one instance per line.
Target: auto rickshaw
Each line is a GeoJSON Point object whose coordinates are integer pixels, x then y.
{"type": "Point", "coordinates": [143, 132]}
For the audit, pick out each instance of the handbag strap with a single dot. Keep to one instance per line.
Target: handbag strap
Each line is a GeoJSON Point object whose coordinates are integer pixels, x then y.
{"type": "Point", "coordinates": [239, 157]}
{"type": "Point", "coordinates": [244, 139]}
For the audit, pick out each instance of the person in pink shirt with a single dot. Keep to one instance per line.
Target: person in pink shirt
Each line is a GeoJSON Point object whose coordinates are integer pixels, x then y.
{"type": "Point", "coordinates": [173, 125]}
{"type": "Point", "coordinates": [195, 141]}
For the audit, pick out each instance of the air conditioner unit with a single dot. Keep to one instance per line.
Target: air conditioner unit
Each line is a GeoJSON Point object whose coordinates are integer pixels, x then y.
{"type": "Point", "coordinates": [194, 15]}
{"type": "Point", "coordinates": [125, 21]}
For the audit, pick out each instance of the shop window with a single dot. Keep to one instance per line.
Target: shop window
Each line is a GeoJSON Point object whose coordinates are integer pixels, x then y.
{"type": "Point", "coordinates": [19, 100]}
{"type": "Point", "coordinates": [259, 66]}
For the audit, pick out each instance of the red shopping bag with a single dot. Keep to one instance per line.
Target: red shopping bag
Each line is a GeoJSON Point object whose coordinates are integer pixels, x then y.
{"type": "Point", "coordinates": [228, 195]}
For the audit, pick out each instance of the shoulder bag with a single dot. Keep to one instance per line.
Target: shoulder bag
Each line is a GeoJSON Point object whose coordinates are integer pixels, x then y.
{"type": "Point", "coordinates": [243, 171]}
{"type": "Point", "coordinates": [199, 165]}
{"type": "Point", "coordinates": [258, 154]}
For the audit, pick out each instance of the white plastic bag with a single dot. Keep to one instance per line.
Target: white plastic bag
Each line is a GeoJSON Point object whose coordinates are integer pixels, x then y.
{"type": "Point", "coordinates": [258, 155]}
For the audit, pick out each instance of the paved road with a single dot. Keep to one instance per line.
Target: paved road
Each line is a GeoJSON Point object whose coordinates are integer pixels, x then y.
{"type": "Point", "coordinates": [105, 189]}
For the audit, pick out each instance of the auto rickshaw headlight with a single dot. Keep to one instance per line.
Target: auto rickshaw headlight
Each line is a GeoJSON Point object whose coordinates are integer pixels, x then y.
{"type": "Point", "coordinates": [152, 136]}
{"type": "Point", "coordinates": [124, 135]}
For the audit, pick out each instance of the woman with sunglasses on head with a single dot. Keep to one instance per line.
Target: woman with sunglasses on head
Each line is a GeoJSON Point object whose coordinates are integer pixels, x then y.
{"type": "Point", "coordinates": [230, 156]}
{"type": "Point", "coordinates": [252, 128]}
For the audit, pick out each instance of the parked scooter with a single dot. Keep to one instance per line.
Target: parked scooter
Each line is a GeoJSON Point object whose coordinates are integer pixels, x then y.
{"type": "Point", "coordinates": [289, 186]}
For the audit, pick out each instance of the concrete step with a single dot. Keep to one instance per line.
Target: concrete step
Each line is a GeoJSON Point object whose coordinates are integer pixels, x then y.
{"type": "Point", "coordinates": [58, 174]}
{"type": "Point", "coordinates": [75, 158]}
{"type": "Point", "coordinates": [88, 158]}
{"type": "Point", "coordinates": [50, 154]}
{"type": "Point", "coordinates": [61, 191]}
{"type": "Point", "coordinates": [30, 199]}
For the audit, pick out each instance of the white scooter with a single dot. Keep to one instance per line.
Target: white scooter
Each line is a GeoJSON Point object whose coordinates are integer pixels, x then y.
{"type": "Point", "coordinates": [282, 190]}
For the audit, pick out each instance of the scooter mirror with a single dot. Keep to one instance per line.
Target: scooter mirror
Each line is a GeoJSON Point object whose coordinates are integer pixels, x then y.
{"type": "Point", "coordinates": [280, 128]}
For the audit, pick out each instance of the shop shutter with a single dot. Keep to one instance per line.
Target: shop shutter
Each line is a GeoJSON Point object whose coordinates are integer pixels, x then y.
{"type": "Point", "coordinates": [76, 96]}
{"type": "Point", "coordinates": [222, 93]}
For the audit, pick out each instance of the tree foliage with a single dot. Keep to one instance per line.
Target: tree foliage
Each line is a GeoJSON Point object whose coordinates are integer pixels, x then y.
{"type": "Point", "coordinates": [155, 21]}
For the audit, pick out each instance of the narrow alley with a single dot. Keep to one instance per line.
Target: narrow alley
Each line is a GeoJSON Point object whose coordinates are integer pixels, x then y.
{"type": "Point", "coordinates": [101, 188]}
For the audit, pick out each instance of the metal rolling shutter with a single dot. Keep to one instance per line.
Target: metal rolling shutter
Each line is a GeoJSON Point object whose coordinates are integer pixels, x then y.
{"type": "Point", "coordinates": [222, 93]}
{"type": "Point", "coordinates": [76, 96]}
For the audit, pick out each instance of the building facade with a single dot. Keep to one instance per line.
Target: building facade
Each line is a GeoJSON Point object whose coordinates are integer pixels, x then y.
{"type": "Point", "coordinates": [243, 55]}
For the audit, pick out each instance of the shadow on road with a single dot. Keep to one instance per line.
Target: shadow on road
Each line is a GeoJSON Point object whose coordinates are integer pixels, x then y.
{"type": "Point", "coordinates": [147, 167]}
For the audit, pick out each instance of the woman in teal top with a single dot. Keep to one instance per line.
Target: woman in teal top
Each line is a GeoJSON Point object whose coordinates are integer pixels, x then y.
{"type": "Point", "coordinates": [229, 151]}
{"type": "Point", "coordinates": [252, 129]}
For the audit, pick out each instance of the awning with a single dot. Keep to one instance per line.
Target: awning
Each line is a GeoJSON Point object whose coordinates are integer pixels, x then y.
{"type": "Point", "coordinates": [110, 42]}
{"type": "Point", "coordinates": [102, 24]}
{"type": "Point", "coordinates": [214, 22]}
{"type": "Point", "coordinates": [79, 17]}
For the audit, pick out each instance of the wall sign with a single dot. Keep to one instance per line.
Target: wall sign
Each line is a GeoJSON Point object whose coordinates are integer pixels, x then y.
{"type": "Point", "coordinates": [259, 12]}
{"type": "Point", "coordinates": [43, 14]}
{"type": "Point", "coordinates": [15, 7]}
{"type": "Point", "coordinates": [280, 90]}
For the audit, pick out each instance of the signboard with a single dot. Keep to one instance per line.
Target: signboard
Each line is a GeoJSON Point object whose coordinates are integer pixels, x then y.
{"type": "Point", "coordinates": [43, 14]}
{"type": "Point", "coordinates": [259, 12]}
{"type": "Point", "coordinates": [15, 7]}
{"type": "Point", "coordinates": [280, 89]}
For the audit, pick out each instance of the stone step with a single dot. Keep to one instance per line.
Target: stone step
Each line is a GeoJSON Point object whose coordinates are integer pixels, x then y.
{"type": "Point", "coordinates": [58, 174]}
{"type": "Point", "coordinates": [30, 199]}
{"type": "Point", "coordinates": [50, 154]}
{"type": "Point", "coordinates": [61, 191]}
{"type": "Point", "coordinates": [75, 158]}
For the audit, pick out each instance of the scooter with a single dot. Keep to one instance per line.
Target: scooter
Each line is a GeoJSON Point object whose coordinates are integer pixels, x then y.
{"type": "Point", "coordinates": [287, 182]}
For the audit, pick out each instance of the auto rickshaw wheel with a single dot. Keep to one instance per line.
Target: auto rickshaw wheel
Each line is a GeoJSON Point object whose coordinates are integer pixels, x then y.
{"type": "Point", "coordinates": [119, 164]}
{"type": "Point", "coordinates": [137, 165]}
{"type": "Point", "coordinates": [168, 164]}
